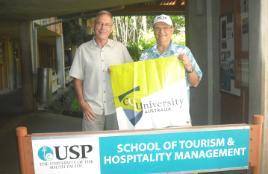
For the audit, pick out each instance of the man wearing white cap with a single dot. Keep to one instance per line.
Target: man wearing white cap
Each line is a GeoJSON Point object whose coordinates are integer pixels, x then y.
{"type": "Point", "coordinates": [163, 30]}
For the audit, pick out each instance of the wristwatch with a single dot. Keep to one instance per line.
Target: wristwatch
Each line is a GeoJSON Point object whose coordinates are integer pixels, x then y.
{"type": "Point", "coordinates": [190, 71]}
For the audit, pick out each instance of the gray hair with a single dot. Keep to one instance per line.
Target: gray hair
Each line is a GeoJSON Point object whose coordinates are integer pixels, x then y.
{"type": "Point", "coordinates": [103, 12]}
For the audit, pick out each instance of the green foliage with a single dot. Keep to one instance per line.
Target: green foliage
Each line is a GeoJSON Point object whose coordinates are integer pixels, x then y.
{"type": "Point", "coordinates": [135, 49]}
{"type": "Point", "coordinates": [179, 23]}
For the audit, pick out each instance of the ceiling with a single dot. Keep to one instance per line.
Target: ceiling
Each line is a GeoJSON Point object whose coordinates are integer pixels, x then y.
{"type": "Point", "coordinates": [13, 12]}
{"type": "Point", "coordinates": [17, 10]}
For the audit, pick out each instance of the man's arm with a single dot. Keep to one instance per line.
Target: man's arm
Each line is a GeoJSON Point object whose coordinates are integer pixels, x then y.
{"type": "Point", "coordinates": [87, 110]}
{"type": "Point", "coordinates": [193, 77]}
{"type": "Point", "coordinates": [191, 74]}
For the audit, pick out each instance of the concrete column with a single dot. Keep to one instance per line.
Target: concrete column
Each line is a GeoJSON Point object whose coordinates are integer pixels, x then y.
{"type": "Point", "coordinates": [35, 60]}
{"type": "Point", "coordinates": [215, 60]}
{"type": "Point", "coordinates": [60, 61]}
{"type": "Point", "coordinates": [29, 103]}
{"type": "Point", "coordinates": [11, 66]}
{"type": "Point", "coordinates": [197, 40]}
{"type": "Point", "coordinates": [210, 61]}
{"type": "Point", "coordinates": [255, 59]}
{"type": "Point", "coordinates": [35, 55]}
{"type": "Point", "coordinates": [258, 64]}
{"type": "Point", "coordinates": [264, 42]}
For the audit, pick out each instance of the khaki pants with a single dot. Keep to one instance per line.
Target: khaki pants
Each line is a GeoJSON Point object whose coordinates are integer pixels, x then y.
{"type": "Point", "coordinates": [102, 122]}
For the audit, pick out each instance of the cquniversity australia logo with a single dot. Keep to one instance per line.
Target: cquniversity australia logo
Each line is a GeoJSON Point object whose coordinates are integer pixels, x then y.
{"type": "Point", "coordinates": [45, 153]}
{"type": "Point", "coordinates": [131, 104]}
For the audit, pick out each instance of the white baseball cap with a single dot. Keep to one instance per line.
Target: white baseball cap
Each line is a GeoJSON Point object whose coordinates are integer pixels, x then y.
{"type": "Point", "coordinates": [163, 18]}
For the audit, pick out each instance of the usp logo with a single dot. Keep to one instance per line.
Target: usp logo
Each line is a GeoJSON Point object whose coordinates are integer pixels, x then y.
{"type": "Point", "coordinates": [131, 104]}
{"type": "Point", "coordinates": [45, 153]}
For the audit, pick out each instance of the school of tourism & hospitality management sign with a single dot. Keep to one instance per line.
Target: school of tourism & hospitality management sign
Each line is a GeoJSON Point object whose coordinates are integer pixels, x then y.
{"type": "Point", "coordinates": [194, 149]}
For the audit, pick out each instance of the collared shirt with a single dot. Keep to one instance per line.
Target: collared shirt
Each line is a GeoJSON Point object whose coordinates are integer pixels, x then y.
{"type": "Point", "coordinates": [173, 50]}
{"type": "Point", "coordinates": [90, 65]}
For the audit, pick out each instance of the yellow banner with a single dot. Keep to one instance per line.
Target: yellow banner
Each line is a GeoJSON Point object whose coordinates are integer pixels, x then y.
{"type": "Point", "coordinates": [145, 91]}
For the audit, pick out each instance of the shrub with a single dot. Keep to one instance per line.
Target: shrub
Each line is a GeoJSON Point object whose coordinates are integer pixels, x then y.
{"type": "Point", "coordinates": [135, 49]}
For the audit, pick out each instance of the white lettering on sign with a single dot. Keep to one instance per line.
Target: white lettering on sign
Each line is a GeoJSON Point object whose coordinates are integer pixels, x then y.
{"type": "Point", "coordinates": [138, 147]}
{"type": "Point", "coordinates": [188, 144]}
{"type": "Point", "coordinates": [211, 153]}
{"type": "Point", "coordinates": [137, 158]}
{"type": "Point", "coordinates": [182, 149]}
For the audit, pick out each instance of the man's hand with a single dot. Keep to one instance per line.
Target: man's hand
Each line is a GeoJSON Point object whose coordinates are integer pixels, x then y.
{"type": "Point", "coordinates": [191, 74]}
{"type": "Point", "coordinates": [87, 111]}
{"type": "Point", "coordinates": [186, 62]}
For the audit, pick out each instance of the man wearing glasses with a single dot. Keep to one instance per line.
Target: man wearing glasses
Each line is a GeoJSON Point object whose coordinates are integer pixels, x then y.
{"type": "Point", "coordinates": [164, 47]}
{"type": "Point", "coordinates": [91, 76]}
{"type": "Point", "coordinates": [163, 30]}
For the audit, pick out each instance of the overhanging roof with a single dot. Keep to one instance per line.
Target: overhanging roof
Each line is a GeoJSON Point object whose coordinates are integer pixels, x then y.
{"type": "Point", "coordinates": [14, 11]}
{"type": "Point", "coordinates": [37, 9]}
{"type": "Point", "coordinates": [171, 7]}
{"type": "Point", "coordinates": [17, 10]}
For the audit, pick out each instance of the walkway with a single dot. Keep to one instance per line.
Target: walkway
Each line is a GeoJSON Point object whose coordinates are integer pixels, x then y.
{"type": "Point", "coordinates": [38, 122]}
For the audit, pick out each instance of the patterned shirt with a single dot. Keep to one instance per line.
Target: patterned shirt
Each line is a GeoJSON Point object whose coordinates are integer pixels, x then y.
{"type": "Point", "coordinates": [173, 50]}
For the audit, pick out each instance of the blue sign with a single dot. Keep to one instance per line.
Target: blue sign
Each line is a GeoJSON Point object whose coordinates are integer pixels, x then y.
{"type": "Point", "coordinates": [200, 150]}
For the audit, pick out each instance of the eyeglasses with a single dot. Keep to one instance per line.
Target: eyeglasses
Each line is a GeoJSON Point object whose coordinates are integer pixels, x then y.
{"type": "Point", "coordinates": [99, 24]}
{"type": "Point", "coordinates": [158, 29]}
